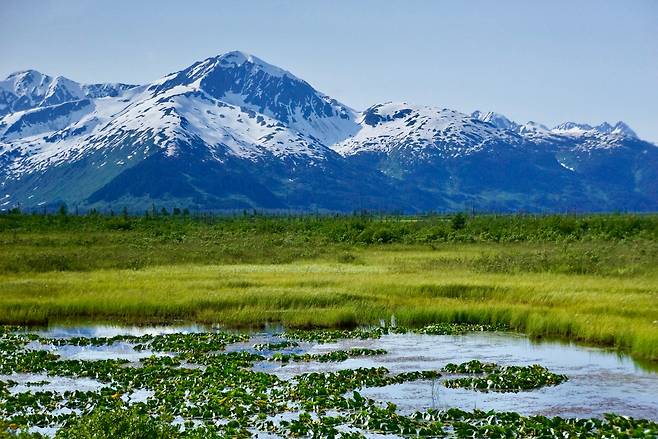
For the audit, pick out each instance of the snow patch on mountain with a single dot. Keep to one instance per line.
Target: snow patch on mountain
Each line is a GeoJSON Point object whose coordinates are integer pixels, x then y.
{"type": "Point", "coordinates": [496, 119]}
{"type": "Point", "coordinates": [63, 144]}
{"type": "Point", "coordinates": [565, 166]}
{"type": "Point", "coordinates": [141, 120]}
{"type": "Point", "coordinates": [183, 113]}
{"type": "Point", "coordinates": [421, 130]}
{"type": "Point", "coordinates": [104, 90]}
{"type": "Point", "coordinates": [27, 83]}
{"type": "Point", "coordinates": [28, 89]}
{"type": "Point", "coordinates": [237, 58]}
{"type": "Point", "coordinates": [586, 136]}
{"type": "Point", "coordinates": [251, 83]}
{"type": "Point", "coordinates": [578, 129]}
{"type": "Point", "coordinates": [42, 119]}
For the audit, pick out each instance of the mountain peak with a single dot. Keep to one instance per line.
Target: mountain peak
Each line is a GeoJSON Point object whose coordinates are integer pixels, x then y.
{"type": "Point", "coordinates": [573, 128]}
{"type": "Point", "coordinates": [238, 57]}
{"type": "Point", "coordinates": [243, 80]}
{"type": "Point", "coordinates": [496, 119]}
{"type": "Point", "coordinates": [239, 60]}
{"type": "Point", "coordinates": [623, 129]}
{"type": "Point", "coordinates": [240, 68]}
{"type": "Point", "coordinates": [26, 82]}
{"type": "Point", "coordinates": [28, 89]}
{"type": "Point", "coordinates": [532, 128]}
{"type": "Point", "coordinates": [29, 73]}
{"type": "Point", "coordinates": [418, 131]}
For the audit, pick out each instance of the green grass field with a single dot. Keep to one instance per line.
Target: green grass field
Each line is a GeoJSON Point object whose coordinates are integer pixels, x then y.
{"type": "Point", "coordinates": [590, 279]}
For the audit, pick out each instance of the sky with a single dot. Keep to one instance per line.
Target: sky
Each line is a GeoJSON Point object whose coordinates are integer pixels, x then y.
{"type": "Point", "coordinates": [547, 61]}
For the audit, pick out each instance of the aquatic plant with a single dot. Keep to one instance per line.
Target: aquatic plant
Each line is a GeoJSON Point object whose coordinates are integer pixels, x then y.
{"type": "Point", "coordinates": [340, 355]}
{"type": "Point", "coordinates": [332, 335]}
{"type": "Point", "coordinates": [275, 346]}
{"type": "Point", "coordinates": [473, 366]}
{"type": "Point", "coordinates": [194, 390]}
{"type": "Point", "coordinates": [501, 378]}
{"type": "Point", "coordinates": [458, 328]}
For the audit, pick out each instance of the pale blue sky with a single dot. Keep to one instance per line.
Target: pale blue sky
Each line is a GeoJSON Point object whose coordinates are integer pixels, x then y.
{"type": "Point", "coordinates": [547, 61]}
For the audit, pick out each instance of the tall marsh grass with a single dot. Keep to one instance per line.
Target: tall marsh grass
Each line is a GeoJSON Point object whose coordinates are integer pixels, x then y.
{"type": "Point", "coordinates": [591, 279]}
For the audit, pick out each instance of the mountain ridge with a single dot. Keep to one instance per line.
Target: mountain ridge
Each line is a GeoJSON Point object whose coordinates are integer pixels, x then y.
{"type": "Point", "coordinates": [261, 137]}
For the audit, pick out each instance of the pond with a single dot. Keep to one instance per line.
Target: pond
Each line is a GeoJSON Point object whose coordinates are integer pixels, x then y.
{"type": "Point", "coordinates": [596, 381]}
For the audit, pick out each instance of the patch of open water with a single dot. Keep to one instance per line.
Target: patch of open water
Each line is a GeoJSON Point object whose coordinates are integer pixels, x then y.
{"type": "Point", "coordinates": [599, 381]}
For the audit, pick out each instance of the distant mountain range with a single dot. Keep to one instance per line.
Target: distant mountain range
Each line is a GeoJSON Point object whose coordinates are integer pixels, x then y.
{"type": "Point", "coordinates": [233, 132]}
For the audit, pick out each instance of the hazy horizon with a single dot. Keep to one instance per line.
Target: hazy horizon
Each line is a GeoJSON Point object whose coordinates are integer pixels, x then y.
{"type": "Point", "coordinates": [588, 62]}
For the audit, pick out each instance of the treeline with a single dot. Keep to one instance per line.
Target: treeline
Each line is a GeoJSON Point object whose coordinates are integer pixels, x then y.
{"type": "Point", "coordinates": [358, 228]}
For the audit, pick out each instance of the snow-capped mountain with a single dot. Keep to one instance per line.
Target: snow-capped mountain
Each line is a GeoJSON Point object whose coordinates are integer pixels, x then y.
{"type": "Point", "coordinates": [246, 81]}
{"type": "Point", "coordinates": [566, 129]}
{"type": "Point", "coordinates": [496, 119]}
{"type": "Point", "coordinates": [221, 101]}
{"type": "Point", "coordinates": [487, 161]}
{"type": "Point", "coordinates": [233, 131]}
{"type": "Point", "coordinates": [579, 129]}
{"type": "Point", "coordinates": [255, 139]}
{"type": "Point", "coordinates": [29, 89]}
{"type": "Point", "coordinates": [421, 131]}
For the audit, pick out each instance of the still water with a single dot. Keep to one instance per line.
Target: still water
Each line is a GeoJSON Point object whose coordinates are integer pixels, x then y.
{"type": "Point", "coordinates": [599, 381]}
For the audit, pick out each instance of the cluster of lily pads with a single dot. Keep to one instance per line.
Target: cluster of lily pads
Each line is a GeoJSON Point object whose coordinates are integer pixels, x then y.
{"type": "Point", "coordinates": [328, 356]}
{"type": "Point", "coordinates": [275, 346]}
{"type": "Point", "coordinates": [193, 388]}
{"type": "Point", "coordinates": [492, 377]}
{"type": "Point", "coordinates": [332, 335]}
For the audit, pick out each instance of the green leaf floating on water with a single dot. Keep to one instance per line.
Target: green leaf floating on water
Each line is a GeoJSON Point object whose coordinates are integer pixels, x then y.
{"type": "Point", "coordinates": [501, 378]}
{"type": "Point", "coordinates": [328, 356]}
{"type": "Point", "coordinates": [275, 346]}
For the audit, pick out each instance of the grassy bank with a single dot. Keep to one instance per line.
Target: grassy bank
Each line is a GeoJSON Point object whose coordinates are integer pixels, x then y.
{"type": "Point", "coordinates": [592, 279]}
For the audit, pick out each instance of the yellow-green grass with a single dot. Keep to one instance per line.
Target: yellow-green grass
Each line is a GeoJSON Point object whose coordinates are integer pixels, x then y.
{"type": "Point", "coordinates": [616, 307]}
